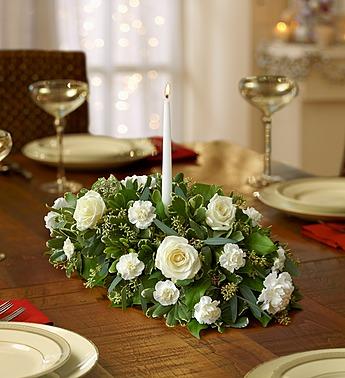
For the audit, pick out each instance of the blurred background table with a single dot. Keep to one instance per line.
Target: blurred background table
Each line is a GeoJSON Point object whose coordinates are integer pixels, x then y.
{"type": "Point", "coordinates": [131, 344]}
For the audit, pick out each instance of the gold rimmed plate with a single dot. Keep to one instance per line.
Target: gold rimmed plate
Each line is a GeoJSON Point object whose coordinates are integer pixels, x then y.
{"type": "Point", "coordinates": [86, 151]}
{"type": "Point", "coordinates": [84, 354]}
{"type": "Point", "coordinates": [28, 352]}
{"type": "Point", "coordinates": [313, 200]}
{"type": "Point", "coordinates": [325, 363]}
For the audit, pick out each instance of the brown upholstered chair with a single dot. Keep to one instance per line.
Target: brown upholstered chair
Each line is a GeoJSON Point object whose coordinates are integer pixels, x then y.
{"type": "Point", "coordinates": [18, 113]}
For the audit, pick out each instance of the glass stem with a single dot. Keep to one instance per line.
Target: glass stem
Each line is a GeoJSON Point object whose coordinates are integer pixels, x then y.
{"type": "Point", "coordinates": [267, 122]}
{"type": "Point", "coordinates": [60, 178]}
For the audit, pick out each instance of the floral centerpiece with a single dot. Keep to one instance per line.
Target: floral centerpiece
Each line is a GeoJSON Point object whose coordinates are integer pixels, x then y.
{"type": "Point", "coordinates": [203, 261]}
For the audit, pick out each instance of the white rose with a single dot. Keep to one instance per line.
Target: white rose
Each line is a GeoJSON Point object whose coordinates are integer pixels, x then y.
{"type": "Point", "coordinates": [142, 214]}
{"type": "Point", "coordinates": [166, 293]}
{"type": "Point", "coordinates": [220, 213]}
{"type": "Point", "coordinates": [254, 215]}
{"type": "Point", "coordinates": [51, 219]}
{"type": "Point", "coordinates": [141, 180]}
{"type": "Point", "coordinates": [177, 259]}
{"type": "Point", "coordinates": [206, 311]}
{"type": "Point", "coordinates": [232, 257]}
{"type": "Point", "coordinates": [129, 266]}
{"type": "Point", "coordinates": [277, 292]}
{"type": "Point", "coordinates": [279, 261]}
{"type": "Point", "coordinates": [68, 248]}
{"type": "Point", "coordinates": [89, 210]}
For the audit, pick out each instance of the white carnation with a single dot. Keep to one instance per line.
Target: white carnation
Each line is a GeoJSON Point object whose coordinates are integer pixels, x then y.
{"type": "Point", "coordinates": [177, 259]}
{"type": "Point", "coordinates": [207, 311]}
{"type": "Point", "coordinates": [141, 180]}
{"type": "Point", "coordinates": [277, 292]}
{"type": "Point", "coordinates": [89, 210]}
{"type": "Point", "coordinates": [232, 257]}
{"type": "Point", "coordinates": [279, 261]}
{"type": "Point", "coordinates": [254, 215]}
{"type": "Point", "coordinates": [68, 248]}
{"type": "Point", "coordinates": [166, 293]}
{"type": "Point", "coordinates": [129, 266]}
{"type": "Point", "coordinates": [220, 213]}
{"type": "Point", "coordinates": [142, 214]}
{"type": "Point", "coordinates": [51, 219]}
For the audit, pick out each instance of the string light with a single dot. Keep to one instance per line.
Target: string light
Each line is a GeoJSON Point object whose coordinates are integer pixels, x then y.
{"type": "Point", "coordinates": [159, 20]}
{"type": "Point", "coordinates": [122, 8]}
{"type": "Point", "coordinates": [96, 81]}
{"type": "Point", "coordinates": [153, 42]}
{"type": "Point", "coordinates": [99, 42]}
{"type": "Point", "coordinates": [137, 24]}
{"type": "Point", "coordinates": [134, 3]}
{"type": "Point", "coordinates": [122, 105]}
{"type": "Point", "coordinates": [122, 128]}
{"type": "Point", "coordinates": [125, 28]}
{"type": "Point", "coordinates": [154, 122]}
{"type": "Point", "coordinates": [123, 42]}
{"type": "Point", "coordinates": [123, 95]}
{"type": "Point", "coordinates": [152, 74]}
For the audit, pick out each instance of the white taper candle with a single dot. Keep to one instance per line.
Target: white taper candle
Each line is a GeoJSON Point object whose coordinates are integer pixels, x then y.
{"type": "Point", "coordinates": [167, 164]}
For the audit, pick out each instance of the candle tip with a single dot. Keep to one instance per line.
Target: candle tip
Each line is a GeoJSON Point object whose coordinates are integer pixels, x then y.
{"type": "Point", "coordinates": [167, 90]}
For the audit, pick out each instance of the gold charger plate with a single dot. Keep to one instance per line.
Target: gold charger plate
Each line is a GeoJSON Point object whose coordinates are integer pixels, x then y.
{"type": "Point", "coordinates": [325, 363]}
{"type": "Point", "coordinates": [86, 151]}
{"type": "Point", "coordinates": [312, 201]}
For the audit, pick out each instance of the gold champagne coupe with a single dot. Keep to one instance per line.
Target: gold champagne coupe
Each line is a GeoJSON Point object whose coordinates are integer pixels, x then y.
{"type": "Point", "coordinates": [5, 149]}
{"type": "Point", "coordinates": [269, 94]}
{"type": "Point", "coordinates": [59, 98]}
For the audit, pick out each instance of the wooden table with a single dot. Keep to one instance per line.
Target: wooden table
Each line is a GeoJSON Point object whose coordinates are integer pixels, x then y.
{"type": "Point", "coordinates": [131, 344]}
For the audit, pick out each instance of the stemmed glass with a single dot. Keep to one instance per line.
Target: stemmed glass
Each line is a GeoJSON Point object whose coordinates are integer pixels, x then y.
{"type": "Point", "coordinates": [269, 94]}
{"type": "Point", "coordinates": [5, 149]}
{"type": "Point", "coordinates": [59, 98]}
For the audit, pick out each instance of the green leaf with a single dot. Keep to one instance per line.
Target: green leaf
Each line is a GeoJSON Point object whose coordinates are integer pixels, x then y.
{"type": "Point", "coordinates": [218, 241]}
{"type": "Point", "coordinates": [251, 300]}
{"type": "Point", "coordinates": [113, 252]}
{"type": "Point", "coordinates": [196, 201]}
{"type": "Point", "coordinates": [148, 294]}
{"type": "Point", "coordinates": [194, 328]}
{"type": "Point", "coordinates": [156, 275]}
{"type": "Point", "coordinates": [206, 256]}
{"type": "Point", "coordinates": [179, 177]}
{"type": "Point", "coordinates": [145, 194]}
{"type": "Point", "coordinates": [291, 267]}
{"type": "Point", "coordinates": [143, 300]}
{"type": "Point", "coordinates": [160, 311]}
{"type": "Point", "coordinates": [206, 191]}
{"type": "Point", "coordinates": [179, 205]}
{"type": "Point", "coordinates": [71, 199]}
{"type": "Point", "coordinates": [194, 292]}
{"type": "Point", "coordinates": [167, 230]}
{"type": "Point", "coordinates": [260, 243]}
{"type": "Point", "coordinates": [57, 256]}
{"type": "Point", "coordinates": [156, 196]}
{"type": "Point", "coordinates": [180, 192]}
{"type": "Point", "coordinates": [253, 283]}
{"type": "Point", "coordinates": [151, 310]}
{"type": "Point", "coordinates": [56, 243]}
{"type": "Point", "coordinates": [183, 313]}
{"type": "Point", "coordinates": [185, 282]}
{"type": "Point", "coordinates": [114, 283]}
{"type": "Point", "coordinates": [160, 210]}
{"type": "Point", "coordinates": [123, 298]}
{"type": "Point", "coordinates": [201, 232]}
{"type": "Point", "coordinates": [237, 236]}
{"type": "Point", "coordinates": [200, 215]}
{"type": "Point", "coordinates": [171, 318]}
{"type": "Point", "coordinates": [112, 268]}
{"type": "Point", "coordinates": [233, 308]}
{"type": "Point", "coordinates": [241, 323]}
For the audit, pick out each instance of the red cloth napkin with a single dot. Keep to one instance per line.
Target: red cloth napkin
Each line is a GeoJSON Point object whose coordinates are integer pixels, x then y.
{"type": "Point", "coordinates": [332, 234]}
{"type": "Point", "coordinates": [179, 152]}
{"type": "Point", "coordinates": [31, 314]}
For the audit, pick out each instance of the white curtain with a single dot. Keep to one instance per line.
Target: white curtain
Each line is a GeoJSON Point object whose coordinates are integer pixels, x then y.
{"type": "Point", "coordinates": [133, 47]}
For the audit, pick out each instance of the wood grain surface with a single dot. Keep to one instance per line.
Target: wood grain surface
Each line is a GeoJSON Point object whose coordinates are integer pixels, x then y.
{"type": "Point", "coordinates": [132, 345]}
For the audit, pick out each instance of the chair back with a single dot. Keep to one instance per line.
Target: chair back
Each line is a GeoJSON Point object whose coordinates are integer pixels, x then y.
{"type": "Point", "coordinates": [18, 113]}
